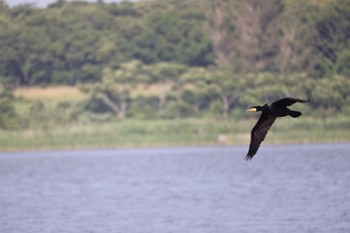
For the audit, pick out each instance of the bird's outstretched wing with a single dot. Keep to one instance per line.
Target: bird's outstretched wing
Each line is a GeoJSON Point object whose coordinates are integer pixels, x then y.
{"type": "Point", "coordinates": [258, 133]}
{"type": "Point", "coordinates": [289, 101]}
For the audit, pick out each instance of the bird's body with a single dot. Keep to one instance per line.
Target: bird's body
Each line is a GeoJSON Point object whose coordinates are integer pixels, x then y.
{"type": "Point", "coordinates": [270, 112]}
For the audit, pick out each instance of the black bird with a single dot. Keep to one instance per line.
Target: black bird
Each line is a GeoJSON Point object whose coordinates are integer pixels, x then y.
{"type": "Point", "coordinates": [270, 112]}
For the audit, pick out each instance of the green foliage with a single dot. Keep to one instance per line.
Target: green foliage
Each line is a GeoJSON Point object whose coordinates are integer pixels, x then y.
{"type": "Point", "coordinates": [173, 36]}
{"type": "Point", "coordinates": [163, 72]}
{"type": "Point", "coordinates": [332, 39]}
{"type": "Point", "coordinates": [332, 93]}
{"type": "Point", "coordinates": [173, 59]}
{"type": "Point", "coordinates": [196, 89]}
{"type": "Point", "coordinates": [144, 107]}
{"type": "Point", "coordinates": [72, 42]}
{"type": "Point", "coordinates": [172, 132]}
{"type": "Point", "coordinates": [114, 88]}
{"type": "Point", "coordinates": [8, 117]}
{"type": "Point", "coordinates": [177, 110]}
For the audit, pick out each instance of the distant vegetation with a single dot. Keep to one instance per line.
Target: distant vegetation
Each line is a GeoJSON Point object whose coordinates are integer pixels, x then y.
{"type": "Point", "coordinates": [76, 63]}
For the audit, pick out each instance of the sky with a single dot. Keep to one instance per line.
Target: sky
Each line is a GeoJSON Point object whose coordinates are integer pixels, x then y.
{"type": "Point", "coordinates": [42, 3]}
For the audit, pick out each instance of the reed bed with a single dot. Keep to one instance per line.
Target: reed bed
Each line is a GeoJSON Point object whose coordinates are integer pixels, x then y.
{"type": "Point", "coordinates": [179, 132]}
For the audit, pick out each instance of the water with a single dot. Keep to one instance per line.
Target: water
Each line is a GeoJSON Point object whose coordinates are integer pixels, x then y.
{"type": "Point", "coordinates": [294, 188]}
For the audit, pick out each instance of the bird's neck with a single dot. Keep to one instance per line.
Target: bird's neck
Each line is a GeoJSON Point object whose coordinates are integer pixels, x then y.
{"type": "Point", "coordinates": [260, 108]}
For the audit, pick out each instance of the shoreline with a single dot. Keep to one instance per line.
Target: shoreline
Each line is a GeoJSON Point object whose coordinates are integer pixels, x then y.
{"type": "Point", "coordinates": [160, 147]}
{"type": "Point", "coordinates": [171, 133]}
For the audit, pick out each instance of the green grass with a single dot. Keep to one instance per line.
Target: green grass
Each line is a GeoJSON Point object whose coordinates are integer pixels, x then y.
{"type": "Point", "coordinates": [45, 134]}
{"type": "Point", "coordinates": [181, 132]}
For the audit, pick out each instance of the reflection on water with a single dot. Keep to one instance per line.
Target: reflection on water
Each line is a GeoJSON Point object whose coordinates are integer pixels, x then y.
{"type": "Point", "coordinates": [294, 188]}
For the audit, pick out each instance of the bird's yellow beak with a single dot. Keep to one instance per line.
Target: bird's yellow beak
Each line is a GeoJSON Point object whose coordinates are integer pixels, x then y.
{"type": "Point", "coordinates": [251, 110]}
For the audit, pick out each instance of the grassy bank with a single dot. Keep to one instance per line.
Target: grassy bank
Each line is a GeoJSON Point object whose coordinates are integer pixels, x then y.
{"type": "Point", "coordinates": [43, 132]}
{"type": "Point", "coordinates": [181, 132]}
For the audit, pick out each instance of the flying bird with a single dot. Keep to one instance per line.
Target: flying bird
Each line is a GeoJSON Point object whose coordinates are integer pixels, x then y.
{"type": "Point", "coordinates": [270, 112]}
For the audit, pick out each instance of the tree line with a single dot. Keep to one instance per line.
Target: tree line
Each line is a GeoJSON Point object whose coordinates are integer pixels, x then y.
{"type": "Point", "coordinates": [200, 56]}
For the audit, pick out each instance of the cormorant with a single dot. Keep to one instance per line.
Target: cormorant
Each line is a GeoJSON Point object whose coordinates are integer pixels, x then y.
{"type": "Point", "coordinates": [270, 112]}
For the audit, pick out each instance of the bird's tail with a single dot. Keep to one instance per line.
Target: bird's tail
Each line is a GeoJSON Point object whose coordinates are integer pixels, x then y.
{"type": "Point", "coordinates": [295, 114]}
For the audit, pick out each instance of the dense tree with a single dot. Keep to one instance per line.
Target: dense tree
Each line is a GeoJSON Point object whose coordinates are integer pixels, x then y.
{"type": "Point", "coordinates": [71, 42]}
{"type": "Point", "coordinates": [173, 36]}
{"type": "Point", "coordinates": [332, 40]}
{"type": "Point", "coordinates": [332, 93]}
{"type": "Point", "coordinates": [180, 57]}
{"type": "Point", "coordinates": [244, 33]}
{"type": "Point", "coordinates": [196, 88]}
{"type": "Point", "coordinates": [163, 76]}
{"type": "Point", "coordinates": [218, 26]}
{"type": "Point", "coordinates": [229, 87]}
{"type": "Point", "coordinates": [295, 44]}
{"type": "Point", "coordinates": [202, 85]}
{"type": "Point", "coordinates": [8, 117]}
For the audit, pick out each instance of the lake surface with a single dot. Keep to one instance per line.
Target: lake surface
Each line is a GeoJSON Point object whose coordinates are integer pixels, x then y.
{"type": "Point", "coordinates": [285, 188]}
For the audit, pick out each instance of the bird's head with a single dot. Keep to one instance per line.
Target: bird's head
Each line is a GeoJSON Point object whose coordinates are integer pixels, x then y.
{"type": "Point", "coordinates": [255, 109]}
